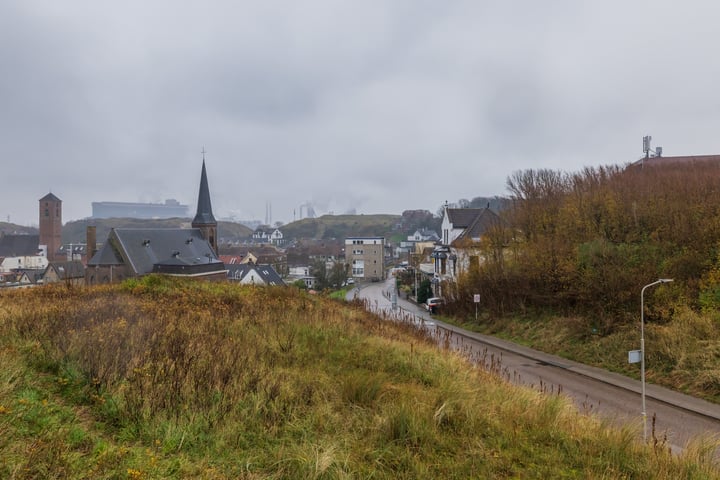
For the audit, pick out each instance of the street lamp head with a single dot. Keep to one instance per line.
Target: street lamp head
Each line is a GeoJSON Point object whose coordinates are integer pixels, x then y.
{"type": "Point", "coordinates": [666, 280]}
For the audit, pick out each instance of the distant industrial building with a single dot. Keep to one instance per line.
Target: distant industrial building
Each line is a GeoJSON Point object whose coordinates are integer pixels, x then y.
{"type": "Point", "coordinates": [170, 209]}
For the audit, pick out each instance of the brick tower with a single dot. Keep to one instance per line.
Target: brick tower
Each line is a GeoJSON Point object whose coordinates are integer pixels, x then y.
{"type": "Point", "coordinates": [51, 225]}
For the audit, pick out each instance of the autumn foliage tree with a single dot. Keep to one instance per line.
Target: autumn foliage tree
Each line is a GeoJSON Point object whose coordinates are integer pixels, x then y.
{"type": "Point", "coordinates": [586, 242]}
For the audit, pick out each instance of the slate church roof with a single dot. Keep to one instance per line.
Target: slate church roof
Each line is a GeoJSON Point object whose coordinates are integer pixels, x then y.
{"type": "Point", "coordinates": [162, 250]}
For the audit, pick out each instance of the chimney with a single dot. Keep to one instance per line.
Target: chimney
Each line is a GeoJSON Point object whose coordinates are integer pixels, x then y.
{"type": "Point", "coordinates": [91, 239]}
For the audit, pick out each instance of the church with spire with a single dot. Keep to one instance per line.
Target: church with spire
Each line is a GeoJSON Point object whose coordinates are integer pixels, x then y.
{"type": "Point", "coordinates": [204, 219]}
{"type": "Point", "coordinates": [185, 252]}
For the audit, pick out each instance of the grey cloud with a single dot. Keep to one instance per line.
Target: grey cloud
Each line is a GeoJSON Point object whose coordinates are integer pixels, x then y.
{"type": "Point", "coordinates": [376, 106]}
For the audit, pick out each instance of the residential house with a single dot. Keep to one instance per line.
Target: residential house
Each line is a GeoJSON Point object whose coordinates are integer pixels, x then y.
{"type": "Point", "coordinates": [264, 254]}
{"type": "Point", "coordinates": [423, 235]}
{"type": "Point", "coordinates": [72, 272]}
{"type": "Point", "coordinates": [16, 279]}
{"type": "Point", "coordinates": [301, 272]}
{"type": "Point", "coordinates": [462, 232]}
{"type": "Point", "coordinates": [29, 276]}
{"type": "Point", "coordinates": [11, 263]}
{"type": "Point", "coordinates": [248, 273]}
{"type": "Point", "coordinates": [266, 234]}
{"type": "Point", "coordinates": [306, 252]}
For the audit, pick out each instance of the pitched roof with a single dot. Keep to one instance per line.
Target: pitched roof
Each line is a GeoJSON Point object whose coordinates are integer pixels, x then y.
{"type": "Point", "coordinates": [265, 230]}
{"type": "Point", "coordinates": [33, 274]}
{"type": "Point", "coordinates": [50, 198]}
{"type": "Point", "coordinates": [266, 273]}
{"type": "Point", "coordinates": [106, 256]}
{"type": "Point", "coordinates": [204, 215]}
{"type": "Point", "coordinates": [463, 217]}
{"type": "Point", "coordinates": [19, 245]}
{"type": "Point", "coordinates": [231, 259]}
{"type": "Point", "coordinates": [143, 248]}
{"type": "Point", "coordinates": [483, 222]}
{"type": "Point", "coordinates": [67, 270]}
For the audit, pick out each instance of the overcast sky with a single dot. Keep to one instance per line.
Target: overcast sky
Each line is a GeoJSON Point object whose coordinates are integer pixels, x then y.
{"type": "Point", "coordinates": [379, 106]}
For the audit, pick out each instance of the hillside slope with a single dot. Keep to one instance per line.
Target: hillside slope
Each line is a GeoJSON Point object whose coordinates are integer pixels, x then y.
{"type": "Point", "coordinates": [341, 226]}
{"type": "Point", "coordinates": [170, 379]}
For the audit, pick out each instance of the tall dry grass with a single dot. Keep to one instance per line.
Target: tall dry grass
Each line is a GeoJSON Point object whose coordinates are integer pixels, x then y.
{"type": "Point", "coordinates": [171, 379]}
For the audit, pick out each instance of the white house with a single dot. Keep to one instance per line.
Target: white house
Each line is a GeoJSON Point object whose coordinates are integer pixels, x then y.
{"type": "Point", "coordinates": [36, 262]}
{"type": "Point", "coordinates": [462, 231]}
{"type": "Point", "coordinates": [248, 273]}
{"type": "Point", "coordinates": [266, 234]}
{"type": "Point", "coordinates": [423, 235]}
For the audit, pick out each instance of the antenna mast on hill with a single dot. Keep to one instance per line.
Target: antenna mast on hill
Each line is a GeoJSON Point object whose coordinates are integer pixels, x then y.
{"type": "Point", "coordinates": [648, 150]}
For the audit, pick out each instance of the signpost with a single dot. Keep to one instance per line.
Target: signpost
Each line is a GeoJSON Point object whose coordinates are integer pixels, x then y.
{"type": "Point", "coordinates": [476, 299]}
{"type": "Point", "coordinates": [634, 356]}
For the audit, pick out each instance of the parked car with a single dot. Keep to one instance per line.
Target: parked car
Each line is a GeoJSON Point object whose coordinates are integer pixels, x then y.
{"type": "Point", "coordinates": [432, 304]}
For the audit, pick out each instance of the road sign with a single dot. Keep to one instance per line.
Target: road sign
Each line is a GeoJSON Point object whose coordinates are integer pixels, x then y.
{"type": "Point", "coordinates": [476, 298]}
{"type": "Point", "coordinates": [634, 356]}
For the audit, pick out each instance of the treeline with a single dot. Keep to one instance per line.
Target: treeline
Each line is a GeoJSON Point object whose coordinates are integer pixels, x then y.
{"type": "Point", "coordinates": [587, 242]}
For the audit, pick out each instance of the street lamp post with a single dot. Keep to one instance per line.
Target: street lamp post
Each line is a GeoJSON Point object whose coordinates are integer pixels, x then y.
{"type": "Point", "coordinates": [642, 348]}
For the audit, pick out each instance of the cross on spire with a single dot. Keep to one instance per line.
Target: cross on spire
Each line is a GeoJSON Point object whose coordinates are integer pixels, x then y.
{"type": "Point", "coordinates": [203, 152]}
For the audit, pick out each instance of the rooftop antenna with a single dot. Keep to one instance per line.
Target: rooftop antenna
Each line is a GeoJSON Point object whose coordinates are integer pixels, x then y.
{"type": "Point", "coordinates": [647, 149]}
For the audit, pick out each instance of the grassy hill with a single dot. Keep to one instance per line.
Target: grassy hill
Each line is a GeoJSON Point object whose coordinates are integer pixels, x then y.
{"type": "Point", "coordinates": [13, 229]}
{"type": "Point", "coordinates": [171, 379]}
{"type": "Point", "coordinates": [341, 226]}
{"type": "Point", "coordinates": [327, 226]}
{"type": "Point", "coordinates": [75, 231]}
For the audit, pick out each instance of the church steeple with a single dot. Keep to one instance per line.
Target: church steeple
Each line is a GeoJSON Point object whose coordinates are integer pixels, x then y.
{"type": "Point", "coordinates": [204, 218]}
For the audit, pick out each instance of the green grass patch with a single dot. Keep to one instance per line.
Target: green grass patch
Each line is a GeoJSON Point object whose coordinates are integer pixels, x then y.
{"type": "Point", "coordinates": [170, 379]}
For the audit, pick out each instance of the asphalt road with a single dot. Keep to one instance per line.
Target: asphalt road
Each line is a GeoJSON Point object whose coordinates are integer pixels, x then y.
{"type": "Point", "coordinates": [677, 417]}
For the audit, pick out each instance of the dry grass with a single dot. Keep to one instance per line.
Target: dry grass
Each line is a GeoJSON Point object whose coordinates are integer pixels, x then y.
{"type": "Point", "coordinates": [161, 379]}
